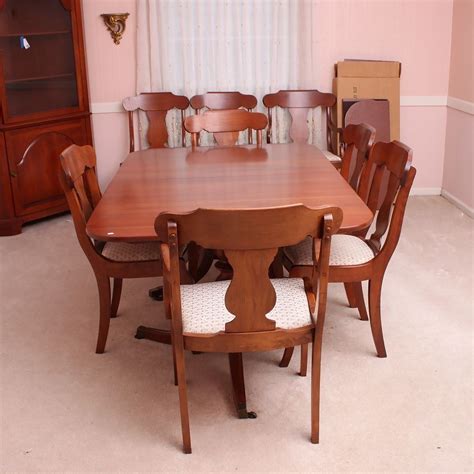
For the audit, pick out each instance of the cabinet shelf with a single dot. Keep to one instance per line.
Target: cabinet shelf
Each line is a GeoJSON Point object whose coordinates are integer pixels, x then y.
{"type": "Point", "coordinates": [39, 78]}
{"type": "Point", "coordinates": [34, 33]}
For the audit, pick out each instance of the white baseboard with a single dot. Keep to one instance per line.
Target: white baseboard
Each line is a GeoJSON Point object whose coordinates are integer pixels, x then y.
{"type": "Point", "coordinates": [469, 211]}
{"type": "Point", "coordinates": [425, 192]}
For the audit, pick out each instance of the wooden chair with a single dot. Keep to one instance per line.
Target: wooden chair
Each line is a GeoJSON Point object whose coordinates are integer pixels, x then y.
{"type": "Point", "coordinates": [224, 101]}
{"type": "Point", "coordinates": [269, 314]}
{"type": "Point", "coordinates": [115, 260]}
{"type": "Point", "coordinates": [355, 259]}
{"type": "Point", "coordinates": [298, 102]}
{"type": "Point", "coordinates": [155, 105]}
{"type": "Point", "coordinates": [226, 125]}
{"type": "Point", "coordinates": [356, 143]}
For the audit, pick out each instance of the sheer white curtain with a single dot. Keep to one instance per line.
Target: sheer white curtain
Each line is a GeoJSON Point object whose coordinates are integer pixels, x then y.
{"type": "Point", "coordinates": [194, 46]}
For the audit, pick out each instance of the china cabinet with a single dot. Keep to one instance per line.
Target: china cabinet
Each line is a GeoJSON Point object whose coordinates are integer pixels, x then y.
{"type": "Point", "coordinates": [44, 105]}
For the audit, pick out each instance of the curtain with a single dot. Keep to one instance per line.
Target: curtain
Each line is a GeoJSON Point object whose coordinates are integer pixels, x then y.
{"type": "Point", "coordinates": [255, 47]}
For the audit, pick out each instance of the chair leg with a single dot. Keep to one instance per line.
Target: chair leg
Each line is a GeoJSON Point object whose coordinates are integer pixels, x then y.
{"type": "Point", "coordinates": [316, 383]}
{"type": "Point", "coordinates": [285, 360]}
{"type": "Point", "coordinates": [350, 293]}
{"type": "Point", "coordinates": [304, 360]}
{"type": "Point", "coordinates": [375, 291]}
{"type": "Point", "coordinates": [117, 292]}
{"type": "Point", "coordinates": [183, 397]}
{"type": "Point", "coordinates": [103, 284]}
{"type": "Point", "coordinates": [175, 372]}
{"type": "Point", "coordinates": [359, 294]}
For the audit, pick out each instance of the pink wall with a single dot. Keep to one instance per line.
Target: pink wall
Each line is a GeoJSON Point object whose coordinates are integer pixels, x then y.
{"type": "Point", "coordinates": [111, 70]}
{"type": "Point", "coordinates": [462, 51]}
{"type": "Point", "coordinates": [417, 33]}
{"type": "Point", "coordinates": [458, 176]}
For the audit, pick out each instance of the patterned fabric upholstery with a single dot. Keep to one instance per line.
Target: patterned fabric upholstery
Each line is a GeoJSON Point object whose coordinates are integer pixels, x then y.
{"type": "Point", "coordinates": [131, 252]}
{"type": "Point", "coordinates": [331, 156]}
{"type": "Point", "coordinates": [345, 250]}
{"type": "Point", "coordinates": [204, 312]}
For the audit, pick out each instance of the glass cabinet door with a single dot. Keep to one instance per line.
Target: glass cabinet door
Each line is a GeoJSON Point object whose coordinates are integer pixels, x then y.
{"type": "Point", "coordinates": [37, 57]}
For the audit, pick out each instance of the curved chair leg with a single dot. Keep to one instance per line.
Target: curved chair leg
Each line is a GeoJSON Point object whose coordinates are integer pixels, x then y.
{"type": "Point", "coordinates": [117, 292]}
{"type": "Point", "coordinates": [103, 284]}
{"type": "Point", "coordinates": [285, 360]}
{"type": "Point", "coordinates": [350, 293]}
{"type": "Point", "coordinates": [304, 360]}
{"type": "Point", "coordinates": [359, 294]}
{"type": "Point", "coordinates": [375, 291]}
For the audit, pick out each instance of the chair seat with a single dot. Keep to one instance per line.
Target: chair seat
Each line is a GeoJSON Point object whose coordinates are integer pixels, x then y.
{"type": "Point", "coordinates": [331, 156]}
{"type": "Point", "coordinates": [204, 312]}
{"type": "Point", "coordinates": [345, 250]}
{"type": "Point", "coordinates": [131, 252]}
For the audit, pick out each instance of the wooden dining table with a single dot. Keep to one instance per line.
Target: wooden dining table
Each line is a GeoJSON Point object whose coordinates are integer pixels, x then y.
{"type": "Point", "coordinates": [183, 179]}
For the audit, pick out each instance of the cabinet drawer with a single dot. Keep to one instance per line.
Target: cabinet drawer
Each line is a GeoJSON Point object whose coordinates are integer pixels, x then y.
{"type": "Point", "coordinates": [33, 158]}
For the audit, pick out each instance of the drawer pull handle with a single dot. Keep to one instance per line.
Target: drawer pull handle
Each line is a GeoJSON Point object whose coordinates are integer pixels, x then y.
{"type": "Point", "coordinates": [13, 174]}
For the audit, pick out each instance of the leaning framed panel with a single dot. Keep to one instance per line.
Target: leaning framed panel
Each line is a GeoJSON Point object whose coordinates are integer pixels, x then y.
{"type": "Point", "coordinates": [183, 179]}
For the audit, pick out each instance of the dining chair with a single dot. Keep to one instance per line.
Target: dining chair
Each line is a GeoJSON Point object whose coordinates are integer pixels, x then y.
{"type": "Point", "coordinates": [356, 143]}
{"type": "Point", "coordinates": [116, 260]}
{"type": "Point", "coordinates": [156, 105]}
{"type": "Point", "coordinates": [251, 312]}
{"type": "Point", "coordinates": [298, 103]}
{"type": "Point", "coordinates": [225, 125]}
{"type": "Point", "coordinates": [224, 101]}
{"type": "Point", "coordinates": [355, 259]}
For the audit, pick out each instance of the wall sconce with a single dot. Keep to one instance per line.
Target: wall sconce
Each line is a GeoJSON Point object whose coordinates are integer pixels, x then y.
{"type": "Point", "coordinates": [115, 23]}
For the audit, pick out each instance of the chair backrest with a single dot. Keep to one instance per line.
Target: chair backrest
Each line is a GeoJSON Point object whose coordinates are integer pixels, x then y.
{"type": "Point", "coordinates": [393, 158]}
{"type": "Point", "coordinates": [155, 105]}
{"type": "Point", "coordinates": [250, 239]}
{"type": "Point", "coordinates": [298, 102]}
{"type": "Point", "coordinates": [79, 182]}
{"type": "Point", "coordinates": [356, 143]}
{"type": "Point", "coordinates": [225, 124]}
{"type": "Point", "coordinates": [223, 101]}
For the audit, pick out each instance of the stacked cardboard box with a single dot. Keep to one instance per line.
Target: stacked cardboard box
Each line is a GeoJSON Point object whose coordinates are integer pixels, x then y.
{"type": "Point", "coordinates": [356, 79]}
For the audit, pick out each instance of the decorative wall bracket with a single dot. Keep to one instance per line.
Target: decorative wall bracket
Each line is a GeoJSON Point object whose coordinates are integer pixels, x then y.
{"type": "Point", "coordinates": [115, 23]}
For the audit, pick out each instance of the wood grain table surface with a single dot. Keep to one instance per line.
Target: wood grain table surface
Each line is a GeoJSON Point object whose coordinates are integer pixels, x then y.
{"type": "Point", "coordinates": [183, 179]}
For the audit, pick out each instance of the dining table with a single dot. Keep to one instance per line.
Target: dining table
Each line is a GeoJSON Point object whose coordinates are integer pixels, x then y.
{"type": "Point", "coordinates": [180, 180]}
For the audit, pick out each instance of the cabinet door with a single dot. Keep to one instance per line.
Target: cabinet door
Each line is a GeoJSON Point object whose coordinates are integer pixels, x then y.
{"type": "Point", "coordinates": [33, 156]}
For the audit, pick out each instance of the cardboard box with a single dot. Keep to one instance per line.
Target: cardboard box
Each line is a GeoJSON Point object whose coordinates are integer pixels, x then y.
{"type": "Point", "coordinates": [356, 79]}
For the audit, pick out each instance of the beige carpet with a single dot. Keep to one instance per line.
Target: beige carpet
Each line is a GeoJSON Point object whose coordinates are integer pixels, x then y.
{"type": "Point", "coordinates": [63, 408]}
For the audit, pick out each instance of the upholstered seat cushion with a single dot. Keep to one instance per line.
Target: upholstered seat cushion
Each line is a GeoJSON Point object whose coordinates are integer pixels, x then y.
{"type": "Point", "coordinates": [345, 250]}
{"type": "Point", "coordinates": [331, 156]}
{"type": "Point", "coordinates": [204, 311]}
{"type": "Point", "coordinates": [131, 252]}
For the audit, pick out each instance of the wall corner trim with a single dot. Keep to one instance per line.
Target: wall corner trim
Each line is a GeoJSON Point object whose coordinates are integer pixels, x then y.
{"type": "Point", "coordinates": [469, 211]}
{"type": "Point", "coordinates": [423, 101]}
{"type": "Point", "coordinates": [106, 107]}
{"type": "Point", "coordinates": [405, 101]}
{"type": "Point", "coordinates": [461, 105]}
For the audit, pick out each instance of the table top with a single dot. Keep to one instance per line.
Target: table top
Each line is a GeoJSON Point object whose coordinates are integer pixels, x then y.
{"type": "Point", "coordinates": [181, 179]}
